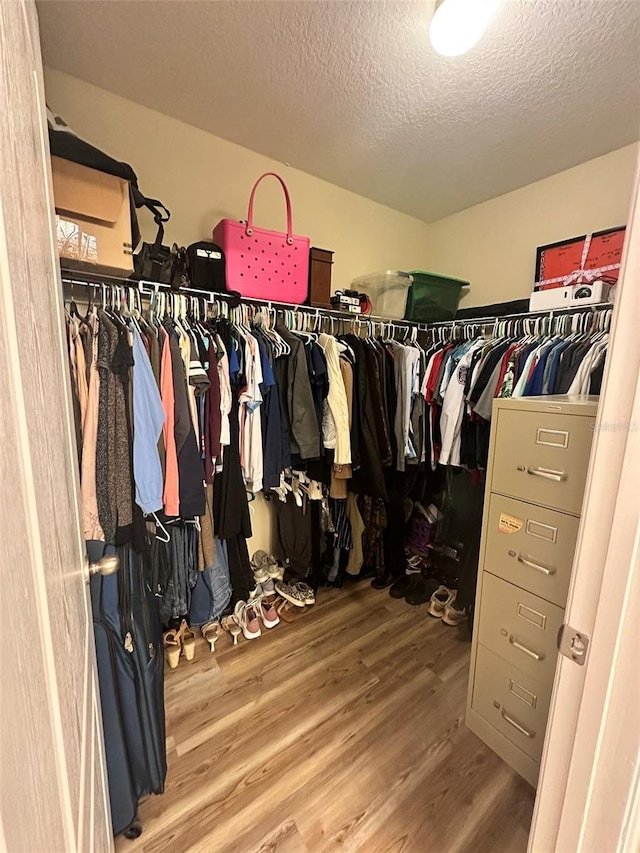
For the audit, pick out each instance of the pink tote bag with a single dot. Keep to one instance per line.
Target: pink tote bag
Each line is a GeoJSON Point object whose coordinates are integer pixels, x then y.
{"type": "Point", "coordinates": [264, 264]}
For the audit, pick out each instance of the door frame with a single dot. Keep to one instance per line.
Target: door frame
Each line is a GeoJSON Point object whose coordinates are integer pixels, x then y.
{"type": "Point", "coordinates": [589, 791]}
{"type": "Point", "coordinates": [53, 779]}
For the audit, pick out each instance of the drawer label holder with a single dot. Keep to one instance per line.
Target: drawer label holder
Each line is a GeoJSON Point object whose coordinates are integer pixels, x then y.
{"type": "Point", "coordinates": [509, 523]}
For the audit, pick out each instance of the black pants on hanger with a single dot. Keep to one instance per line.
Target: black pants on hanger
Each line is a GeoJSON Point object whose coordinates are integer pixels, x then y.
{"type": "Point", "coordinates": [240, 573]}
{"type": "Point", "coordinates": [399, 484]}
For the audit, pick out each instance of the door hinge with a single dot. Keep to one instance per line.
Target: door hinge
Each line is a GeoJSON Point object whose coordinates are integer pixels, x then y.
{"type": "Point", "coordinates": [573, 644]}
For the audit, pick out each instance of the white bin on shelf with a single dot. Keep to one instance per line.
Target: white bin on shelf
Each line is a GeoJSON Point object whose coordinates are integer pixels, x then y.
{"type": "Point", "coordinates": [387, 291]}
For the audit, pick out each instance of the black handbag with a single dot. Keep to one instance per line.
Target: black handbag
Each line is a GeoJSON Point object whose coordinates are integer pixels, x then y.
{"type": "Point", "coordinates": [206, 266]}
{"type": "Point", "coordinates": [158, 263]}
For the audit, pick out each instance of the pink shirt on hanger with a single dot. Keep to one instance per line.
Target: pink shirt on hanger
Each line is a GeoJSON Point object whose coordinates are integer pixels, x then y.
{"type": "Point", "coordinates": [171, 493]}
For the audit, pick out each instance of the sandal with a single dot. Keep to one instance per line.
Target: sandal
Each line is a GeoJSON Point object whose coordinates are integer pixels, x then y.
{"type": "Point", "coordinates": [172, 648]}
{"type": "Point", "coordinates": [230, 624]}
{"type": "Point", "coordinates": [210, 633]}
{"type": "Point", "coordinates": [188, 638]}
{"type": "Point", "coordinates": [284, 611]}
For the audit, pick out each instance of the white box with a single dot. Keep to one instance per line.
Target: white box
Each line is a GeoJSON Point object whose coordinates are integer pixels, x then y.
{"type": "Point", "coordinates": [570, 297]}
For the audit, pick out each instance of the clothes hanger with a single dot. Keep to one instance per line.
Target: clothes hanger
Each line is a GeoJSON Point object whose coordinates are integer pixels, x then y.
{"type": "Point", "coordinates": [267, 321]}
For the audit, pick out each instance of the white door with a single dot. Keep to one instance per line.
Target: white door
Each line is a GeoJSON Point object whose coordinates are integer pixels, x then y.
{"type": "Point", "coordinates": [52, 785]}
{"type": "Point", "coordinates": [589, 791]}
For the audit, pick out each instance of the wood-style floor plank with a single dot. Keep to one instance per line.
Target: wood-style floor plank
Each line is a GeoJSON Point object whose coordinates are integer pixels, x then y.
{"type": "Point", "coordinates": [343, 731]}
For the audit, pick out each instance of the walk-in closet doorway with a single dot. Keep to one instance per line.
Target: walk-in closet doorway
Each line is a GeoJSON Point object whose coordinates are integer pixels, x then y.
{"type": "Point", "coordinates": [53, 785]}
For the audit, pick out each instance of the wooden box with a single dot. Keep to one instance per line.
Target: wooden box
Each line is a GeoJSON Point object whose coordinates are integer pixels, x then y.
{"type": "Point", "coordinates": [320, 263]}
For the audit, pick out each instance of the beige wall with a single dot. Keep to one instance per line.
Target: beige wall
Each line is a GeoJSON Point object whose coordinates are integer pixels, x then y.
{"type": "Point", "coordinates": [202, 179]}
{"type": "Point", "coordinates": [493, 245]}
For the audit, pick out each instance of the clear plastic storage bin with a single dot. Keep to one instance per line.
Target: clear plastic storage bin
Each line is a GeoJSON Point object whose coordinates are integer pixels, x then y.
{"type": "Point", "coordinates": [387, 292]}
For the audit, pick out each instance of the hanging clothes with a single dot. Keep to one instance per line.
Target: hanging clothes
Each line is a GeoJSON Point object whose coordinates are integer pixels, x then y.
{"type": "Point", "coordinates": [171, 492]}
{"type": "Point", "coordinates": [336, 401]}
{"type": "Point", "coordinates": [190, 466]}
{"type": "Point", "coordinates": [299, 407]}
{"type": "Point", "coordinates": [179, 417]}
{"type": "Point", "coordinates": [148, 421]}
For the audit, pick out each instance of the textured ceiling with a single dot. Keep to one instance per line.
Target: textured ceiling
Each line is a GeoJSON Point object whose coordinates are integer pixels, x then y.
{"type": "Point", "coordinates": [352, 91]}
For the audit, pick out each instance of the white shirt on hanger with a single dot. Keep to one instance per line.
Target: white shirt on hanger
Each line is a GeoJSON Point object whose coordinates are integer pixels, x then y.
{"type": "Point", "coordinates": [453, 410]}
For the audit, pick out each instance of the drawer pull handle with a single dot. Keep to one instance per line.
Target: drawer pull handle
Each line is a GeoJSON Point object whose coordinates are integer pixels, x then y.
{"type": "Point", "coordinates": [521, 648]}
{"type": "Point", "coordinates": [536, 566]}
{"type": "Point", "coordinates": [515, 725]}
{"type": "Point", "coordinates": [548, 474]}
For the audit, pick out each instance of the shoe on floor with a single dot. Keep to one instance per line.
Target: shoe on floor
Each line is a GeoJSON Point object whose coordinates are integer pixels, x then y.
{"type": "Point", "coordinates": [260, 575]}
{"type": "Point", "coordinates": [247, 617]}
{"type": "Point", "coordinates": [453, 615]}
{"type": "Point", "coordinates": [439, 601]}
{"type": "Point", "coordinates": [266, 611]}
{"type": "Point", "coordinates": [308, 595]}
{"type": "Point", "coordinates": [291, 592]}
{"type": "Point", "coordinates": [403, 585]}
{"type": "Point", "coordinates": [265, 589]}
{"type": "Point", "coordinates": [188, 639]}
{"type": "Point", "coordinates": [266, 566]}
{"type": "Point", "coordinates": [417, 563]}
{"type": "Point", "coordinates": [421, 591]}
{"type": "Point", "coordinates": [172, 648]}
{"type": "Point", "coordinates": [382, 583]}
{"type": "Point", "coordinates": [275, 572]}
{"type": "Point", "coordinates": [284, 609]}
{"type": "Point", "coordinates": [230, 623]}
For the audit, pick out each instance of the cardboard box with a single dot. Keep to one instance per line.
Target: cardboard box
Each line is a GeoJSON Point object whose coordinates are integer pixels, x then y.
{"type": "Point", "coordinates": [580, 260]}
{"type": "Point", "coordinates": [93, 221]}
{"type": "Point", "coordinates": [574, 296]}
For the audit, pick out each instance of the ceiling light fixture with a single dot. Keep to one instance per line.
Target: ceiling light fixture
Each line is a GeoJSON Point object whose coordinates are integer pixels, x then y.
{"type": "Point", "coordinates": [459, 24]}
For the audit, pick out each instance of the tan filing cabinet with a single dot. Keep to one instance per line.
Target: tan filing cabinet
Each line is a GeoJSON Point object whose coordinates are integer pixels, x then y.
{"type": "Point", "coordinates": [538, 459]}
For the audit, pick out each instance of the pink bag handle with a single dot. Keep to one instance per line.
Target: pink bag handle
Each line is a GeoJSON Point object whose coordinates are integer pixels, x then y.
{"type": "Point", "coordinates": [249, 228]}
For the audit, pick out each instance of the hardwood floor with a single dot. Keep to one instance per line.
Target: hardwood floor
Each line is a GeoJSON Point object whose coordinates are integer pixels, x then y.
{"type": "Point", "coordinates": [341, 732]}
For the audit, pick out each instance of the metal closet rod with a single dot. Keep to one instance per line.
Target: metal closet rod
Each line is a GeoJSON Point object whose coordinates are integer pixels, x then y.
{"type": "Point", "coordinates": [88, 279]}
{"type": "Point", "coordinates": [551, 313]}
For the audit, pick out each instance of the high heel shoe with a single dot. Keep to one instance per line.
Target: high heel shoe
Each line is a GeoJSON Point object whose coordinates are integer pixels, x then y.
{"type": "Point", "coordinates": [230, 624]}
{"type": "Point", "coordinates": [172, 648]}
{"type": "Point", "coordinates": [188, 638]}
{"type": "Point", "coordinates": [210, 633]}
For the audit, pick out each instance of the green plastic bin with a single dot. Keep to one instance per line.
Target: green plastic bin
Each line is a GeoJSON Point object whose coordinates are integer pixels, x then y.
{"type": "Point", "coordinates": [433, 298]}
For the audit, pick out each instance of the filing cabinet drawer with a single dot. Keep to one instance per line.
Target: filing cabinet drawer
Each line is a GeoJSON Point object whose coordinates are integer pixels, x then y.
{"type": "Point", "coordinates": [530, 546]}
{"type": "Point", "coordinates": [512, 701]}
{"type": "Point", "coordinates": [520, 627]}
{"type": "Point", "coordinates": [542, 457]}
